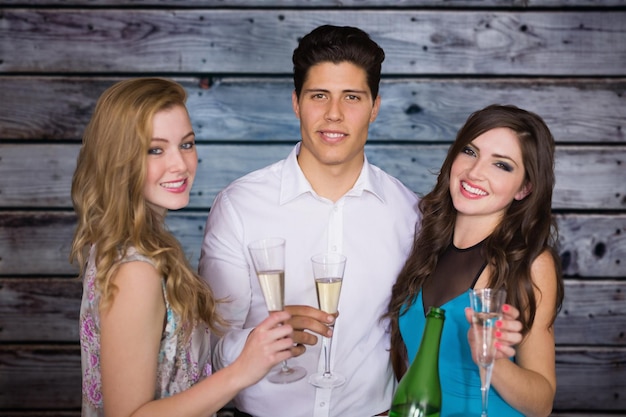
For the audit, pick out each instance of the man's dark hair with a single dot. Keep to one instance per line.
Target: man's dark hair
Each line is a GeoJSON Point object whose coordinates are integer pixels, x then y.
{"type": "Point", "coordinates": [338, 44]}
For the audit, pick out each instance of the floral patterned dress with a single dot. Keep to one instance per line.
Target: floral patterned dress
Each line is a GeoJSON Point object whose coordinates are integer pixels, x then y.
{"type": "Point", "coordinates": [180, 364]}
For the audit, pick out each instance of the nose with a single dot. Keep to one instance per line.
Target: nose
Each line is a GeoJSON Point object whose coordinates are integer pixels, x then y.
{"type": "Point", "coordinates": [176, 162]}
{"type": "Point", "coordinates": [475, 171]}
{"type": "Point", "coordinates": [334, 112]}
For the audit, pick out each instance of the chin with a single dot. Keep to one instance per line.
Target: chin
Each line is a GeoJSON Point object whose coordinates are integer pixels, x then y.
{"type": "Point", "coordinates": [171, 205]}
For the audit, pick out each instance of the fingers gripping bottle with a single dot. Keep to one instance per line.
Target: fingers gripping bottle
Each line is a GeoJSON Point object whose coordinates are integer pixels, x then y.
{"type": "Point", "coordinates": [419, 392]}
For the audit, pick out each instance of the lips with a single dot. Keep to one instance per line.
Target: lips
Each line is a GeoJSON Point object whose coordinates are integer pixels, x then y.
{"type": "Point", "coordinates": [332, 136]}
{"type": "Point", "coordinates": [179, 185]}
{"type": "Point", "coordinates": [474, 191]}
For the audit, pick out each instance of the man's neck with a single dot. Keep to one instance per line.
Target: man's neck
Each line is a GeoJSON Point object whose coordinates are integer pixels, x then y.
{"type": "Point", "coordinates": [332, 182]}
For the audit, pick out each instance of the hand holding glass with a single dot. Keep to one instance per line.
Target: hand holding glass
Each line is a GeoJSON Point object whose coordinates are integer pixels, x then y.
{"type": "Point", "coordinates": [486, 304]}
{"type": "Point", "coordinates": [268, 257]}
{"type": "Point", "coordinates": [328, 273]}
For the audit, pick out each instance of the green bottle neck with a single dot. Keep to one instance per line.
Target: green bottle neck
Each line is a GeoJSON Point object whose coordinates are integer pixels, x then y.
{"type": "Point", "coordinates": [429, 346]}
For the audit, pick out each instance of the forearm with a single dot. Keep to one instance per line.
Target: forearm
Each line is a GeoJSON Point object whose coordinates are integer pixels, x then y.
{"type": "Point", "coordinates": [202, 400]}
{"type": "Point", "coordinates": [527, 391]}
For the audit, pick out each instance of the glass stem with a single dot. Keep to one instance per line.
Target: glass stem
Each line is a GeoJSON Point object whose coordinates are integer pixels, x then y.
{"type": "Point", "coordinates": [485, 379]}
{"type": "Point", "coordinates": [326, 345]}
{"type": "Point", "coordinates": [284, 369]}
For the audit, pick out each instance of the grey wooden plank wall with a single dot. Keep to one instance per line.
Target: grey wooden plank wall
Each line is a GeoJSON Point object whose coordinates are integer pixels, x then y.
{"type": "Point", "coordinates": [564, 59]}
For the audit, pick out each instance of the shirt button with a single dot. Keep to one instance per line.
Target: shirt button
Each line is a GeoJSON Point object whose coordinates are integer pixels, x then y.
{"type": "Point", "coordinates": [322, 404]}
{"type": "Point", "coordinates": [334, 248]}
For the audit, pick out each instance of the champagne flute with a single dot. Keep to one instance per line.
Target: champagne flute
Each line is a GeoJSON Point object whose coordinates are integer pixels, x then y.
{"type": "Point", "coordinates": [328, 273]}
{"type": "Point", "coordinates": [487, 310]}
{"type": "Point", "coordinates": [268, 257]}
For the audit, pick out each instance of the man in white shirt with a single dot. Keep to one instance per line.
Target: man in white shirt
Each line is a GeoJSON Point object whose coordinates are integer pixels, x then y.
{"type": "Point", "coordinates": [324, 196]}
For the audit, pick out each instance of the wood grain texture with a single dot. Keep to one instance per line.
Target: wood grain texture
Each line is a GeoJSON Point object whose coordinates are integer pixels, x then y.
{"type": "Point", "coordinates": [40, 310]}
{"type": "Point", "coordinates": [341, 4]}
{"type": "Point", "coordinates": [590, 245]}
{"type": "Point", "coordinates": [588, 378]}
{"type": "Point", "coordinates": [563, 59]}
{"type": "Point", "coordinates": [262, 41]}
{"type": "Point", "coordinates": [40, 377]}
{"type": "Point", "coordinates": [587, 177]}
{"type": "Point", "coordinates": [593, 313]}
{"type": "Point", "coordinates": [580, 371]}
{"type": "Point", "coordinates": [413, 109]}
{"type": "Point", "coordinates": [47, 310]}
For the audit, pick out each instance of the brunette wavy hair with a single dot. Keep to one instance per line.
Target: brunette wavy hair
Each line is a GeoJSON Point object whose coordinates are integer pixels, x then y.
{"type": "Point", "coordinates": [526, 230]}
{"type": "Point", "coordinates": [112, 212]}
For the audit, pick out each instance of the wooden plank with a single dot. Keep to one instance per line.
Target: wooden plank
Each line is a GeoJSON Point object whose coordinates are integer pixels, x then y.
{"type": "Point", "coordinates": [36, 377]}
{"type": "Point", "coordinates": [564, 43]}
{"type": "Point", "coordinates": [589, 379]}
{"type": "Point", "coordinates": [39, 310]}
{"type": "Point", "coordinates": [593, 313]}
{"type": "Point", "coordinates": [40, 175]}
{"type": "Point", "coordinates": [413, 109]}
{"type": "Point", "coordinates": [342, 4]}
{"type": "Point", "coordinates": [47, 310]}
{"type": "Point", "coordinates": [591, 245]}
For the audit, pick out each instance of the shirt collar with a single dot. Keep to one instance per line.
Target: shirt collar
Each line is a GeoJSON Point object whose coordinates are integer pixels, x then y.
{"type": "Point", "coordinates": [294, 183]}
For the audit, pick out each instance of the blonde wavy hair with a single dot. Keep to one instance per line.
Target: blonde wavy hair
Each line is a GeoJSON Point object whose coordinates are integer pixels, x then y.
{"type": "Point", "coordinates": [113, 215]}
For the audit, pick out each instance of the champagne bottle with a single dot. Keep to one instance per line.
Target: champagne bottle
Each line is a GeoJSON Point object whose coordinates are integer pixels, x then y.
{"type": "Point", "coordinates": [419, 392]}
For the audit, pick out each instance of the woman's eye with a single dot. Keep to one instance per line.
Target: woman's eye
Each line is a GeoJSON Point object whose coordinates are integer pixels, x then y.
{"type": "Point", "coordinates": [504, 166]}
{"type": "Point", "coordinates": [188, 145]}
{"type": "Point", "coordinates": [469, 151]}
{"type": "Point", "coordinates": [155, 151]}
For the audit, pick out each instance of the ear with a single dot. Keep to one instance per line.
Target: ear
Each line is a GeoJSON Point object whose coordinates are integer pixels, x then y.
{"type": "Point", "coordinates": [375, 109]}
{"type": "Point", "coordinates": [526, 189]}
{"type": "Point", "coordinates": [294, 104]}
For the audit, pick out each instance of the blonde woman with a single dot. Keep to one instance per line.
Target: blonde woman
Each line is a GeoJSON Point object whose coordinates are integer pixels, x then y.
{"type": "Point", "coordinates": [145, 314]}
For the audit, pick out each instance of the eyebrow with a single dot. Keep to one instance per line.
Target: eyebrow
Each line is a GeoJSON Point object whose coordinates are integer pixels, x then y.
{"type": "Point", "coordinates": [158, 139]}
{"type": "Point", "coordinates": [323, 90]}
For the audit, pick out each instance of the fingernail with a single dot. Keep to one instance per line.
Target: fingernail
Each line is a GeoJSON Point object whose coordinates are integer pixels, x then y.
{"type": "Point", "coordinates": [506, 308]}
{"type": "Point", "coordinates": [330, 319]}
{"type": "Point", "coordinates": [499, 323]}
{"type": "Point", "coordinates": [498, 345]}
{"type": "Point", "coordinates": [498, 334]}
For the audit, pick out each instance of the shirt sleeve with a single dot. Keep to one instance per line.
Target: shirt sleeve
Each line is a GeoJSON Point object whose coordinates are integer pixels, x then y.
{"type": "Point", "coordinates": [224, 267]}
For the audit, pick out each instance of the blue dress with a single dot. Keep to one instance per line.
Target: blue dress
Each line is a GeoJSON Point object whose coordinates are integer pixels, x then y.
{"type": "Point", "coordinates": [460, 379]}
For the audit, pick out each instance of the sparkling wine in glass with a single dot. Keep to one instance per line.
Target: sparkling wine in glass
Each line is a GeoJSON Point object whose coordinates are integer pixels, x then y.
{"type": "Point", "coordinates": [268, 257]}
{"type": "Point", "coordinates": [487, 310]}
{"type": "Point", "coordinates": [328, 273]}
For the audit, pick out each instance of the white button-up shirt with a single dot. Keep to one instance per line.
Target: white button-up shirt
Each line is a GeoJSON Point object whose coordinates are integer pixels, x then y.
{"type": "Point", "coordinates": [372, 225]}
